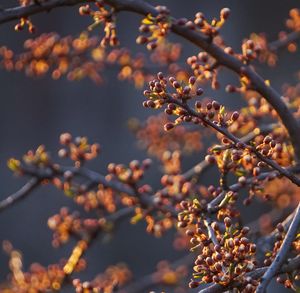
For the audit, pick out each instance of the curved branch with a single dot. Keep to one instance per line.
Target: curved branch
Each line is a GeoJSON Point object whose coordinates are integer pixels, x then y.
{"type": "Point", "coordinates": [200, 40]}
{"type": "Point", "coordinates": [227, 60]}
{"type": "Point", "coordinates": [20, 194]}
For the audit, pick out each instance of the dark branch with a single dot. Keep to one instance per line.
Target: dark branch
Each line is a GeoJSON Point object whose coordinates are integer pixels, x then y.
{"type": "Point", "coordinates": [16, 13]}
{"type": "Point", "coordinates": [20, 194]}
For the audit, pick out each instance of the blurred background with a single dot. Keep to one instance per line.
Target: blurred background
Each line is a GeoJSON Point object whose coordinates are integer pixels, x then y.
{"type": "Point", "coordinates": [37, 111]}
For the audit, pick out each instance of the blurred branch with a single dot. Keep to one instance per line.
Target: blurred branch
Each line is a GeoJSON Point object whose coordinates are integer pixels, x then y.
{"type": "Point", "coordinates": [282, 43]}
{"type": "Point", "coordinates": [152, 279]}
{"type": "Point", "coordinates": [20, 194]}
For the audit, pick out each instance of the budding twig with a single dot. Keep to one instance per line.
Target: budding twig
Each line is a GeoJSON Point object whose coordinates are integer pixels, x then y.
{"type": "Point", "coordinates": [236, 140]}
{"type": "Point", "coordinates": [257, 273]}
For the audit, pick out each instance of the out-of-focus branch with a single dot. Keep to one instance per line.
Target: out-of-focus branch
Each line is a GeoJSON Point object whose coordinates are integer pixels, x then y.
{"type": "Point", "coordinates": [282, 43]}
{"type": "Point", "coordinates": [89, 238]}
{"type": "Point", "coordinates": [282, 254]}
{"type": "Point", "coordinates": [20, 194]}
{"type": "Point", "coordinates": [152, 279]}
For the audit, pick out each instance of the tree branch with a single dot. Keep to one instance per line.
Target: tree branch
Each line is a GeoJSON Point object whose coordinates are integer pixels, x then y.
{"type": "Point", "coordinates": [20, 194]}
{"type": "Point", "coordinates": [282, 254]}
{"type": "Point", "coordinates": [227, 60]}
{"type": "Point", "coordinates": [16, 13]}
{"type": "Point", "coordinates": [200, 40]}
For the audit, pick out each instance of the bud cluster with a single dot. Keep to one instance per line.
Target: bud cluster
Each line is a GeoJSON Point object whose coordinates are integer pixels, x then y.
{"type": "Point", "coordinates": [265, 55]}
{"type": "Point", "coordinates": [227, 258]}
{"type": "Point", "coordinates": [274, 147]}
{"type": "Point", "coordinates": [38, 278]}
{"type": "Point", "coordinates": [60, 55]}
{"type": "Point", "coordinates": [115, 276]}
{"type": "Point", "coordinates": [204, 67]}
{"type": "Point", "coordinates": [176, 103]}
{"type": "Point", "coordinates": [130, 175]}
{"type": "Point", "coordinates": [250, 51]}
{"type": "Point", "coordinates": [77, 149]}
{"type": "Point", "coordinates": [157, 27]}
{"type": "Point", "coordinates": [101, 199]}
{"type": "Point", "coordinates": [200, 23]}
{"type": "Point", "coordinates": [171, 162]}
{"type": "Point", "coordinates": [63, 226]}
{"type": "Point", "coordinates": [25, 21]}
{"type": "Point", "coordinates": [102, 16]}
{"type": "Point", "coordinates": [293, 22]}
{"type": "Point", "coordinates": [38, 158]}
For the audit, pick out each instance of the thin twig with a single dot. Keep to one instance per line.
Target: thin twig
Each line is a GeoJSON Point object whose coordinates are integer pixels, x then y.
{"type": "Point", "coordinates": [236, 140]}
{"type": "Point", "coordinates": [214, 205]}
